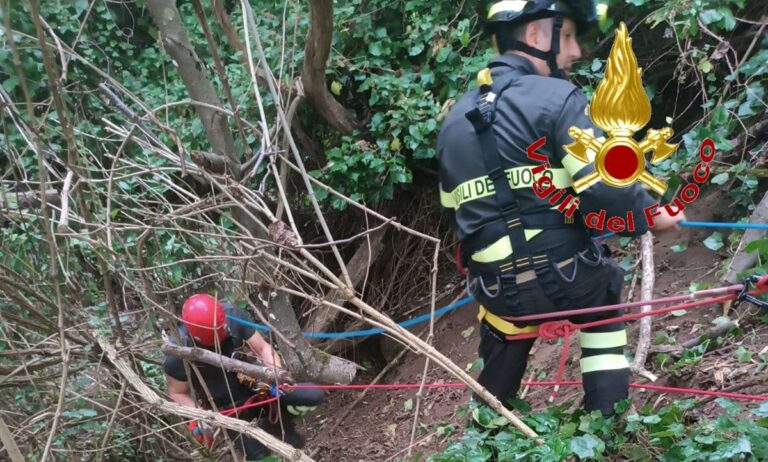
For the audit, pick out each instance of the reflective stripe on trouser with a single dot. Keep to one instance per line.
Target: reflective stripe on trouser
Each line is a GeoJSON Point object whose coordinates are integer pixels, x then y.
{"type": "Point", "coordinates": [299, 410]}
{"type": "Point", "coordinates": [604, 368]}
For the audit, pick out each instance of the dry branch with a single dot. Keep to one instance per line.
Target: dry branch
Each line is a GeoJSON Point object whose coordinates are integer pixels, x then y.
{"type": "Point", "coordinates": [269, 374]}
{"type": "Point", "coordinates": [646, 293]}
{"type": "Point", "coordinates": [9, 443]}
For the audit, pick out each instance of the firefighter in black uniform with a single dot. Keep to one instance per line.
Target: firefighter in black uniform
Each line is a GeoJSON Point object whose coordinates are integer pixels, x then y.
{"type": "Point", "coordinates": [525, 256]}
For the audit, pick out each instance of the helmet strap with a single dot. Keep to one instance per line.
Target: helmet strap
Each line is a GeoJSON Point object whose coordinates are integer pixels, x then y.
{"type": "Point", "coordinates": [549, 56]}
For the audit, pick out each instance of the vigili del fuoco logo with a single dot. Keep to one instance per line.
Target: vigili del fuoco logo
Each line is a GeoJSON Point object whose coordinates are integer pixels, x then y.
{"type": "Point", "coordinates": [620, 107]}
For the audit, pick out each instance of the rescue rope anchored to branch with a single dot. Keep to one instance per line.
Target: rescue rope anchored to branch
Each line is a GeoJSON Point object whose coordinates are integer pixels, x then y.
{"type": "Point", "coordinates": [563, 329]}
{"type": "Point", "coordinates": [730, 292]}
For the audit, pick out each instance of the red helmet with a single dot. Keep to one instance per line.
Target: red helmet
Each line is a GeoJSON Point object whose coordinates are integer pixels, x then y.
{"type": "Point", "coordinates": [205, 319]}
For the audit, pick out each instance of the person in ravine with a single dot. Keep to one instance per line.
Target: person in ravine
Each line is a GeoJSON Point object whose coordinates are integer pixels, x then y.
{"type": "Point", "coordinates": [206, 325]}
{"type": "Point", "coordinates": [523, 255]}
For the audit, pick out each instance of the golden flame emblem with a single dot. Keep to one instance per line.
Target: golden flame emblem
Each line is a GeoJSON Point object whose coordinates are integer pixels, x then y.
{"type": "Point", "coordinates": [620, 107]}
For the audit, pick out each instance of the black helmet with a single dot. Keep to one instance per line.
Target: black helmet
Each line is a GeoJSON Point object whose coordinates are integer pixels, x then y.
{"type": "Point", "coordinates": [513, 12]}
{"type": "Point", "coordinates": [517, 12]}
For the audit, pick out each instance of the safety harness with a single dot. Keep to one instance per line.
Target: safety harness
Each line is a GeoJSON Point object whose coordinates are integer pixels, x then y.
{"type": "Point", "coordinates": [513, 223]}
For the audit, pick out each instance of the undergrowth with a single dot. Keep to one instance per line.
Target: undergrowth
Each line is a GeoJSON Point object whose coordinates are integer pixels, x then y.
{"type": "Point", "coordinates": [671, 433]}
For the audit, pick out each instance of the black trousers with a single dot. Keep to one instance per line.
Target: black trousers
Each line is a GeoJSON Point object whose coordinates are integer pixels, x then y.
{"type": "Point", "coordinates": [252, 448]}
{"type": "Point", "coordinates": [605, 371]}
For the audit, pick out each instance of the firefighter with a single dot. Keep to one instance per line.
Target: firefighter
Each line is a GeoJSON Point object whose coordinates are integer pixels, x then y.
{"type": "Point", "coordinates": [523, 254]}
{"type": "Point", "coordinates": [206, 325]}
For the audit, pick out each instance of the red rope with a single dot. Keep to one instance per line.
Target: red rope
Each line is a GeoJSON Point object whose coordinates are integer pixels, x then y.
{"type": "Point", "coordinates": [403, 386]}
{"type": "Point", "coordinates": [248, 404]}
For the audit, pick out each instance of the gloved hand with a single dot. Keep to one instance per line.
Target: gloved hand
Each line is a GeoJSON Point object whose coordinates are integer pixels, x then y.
{"type": "Point", "coordinates": [202, 432]}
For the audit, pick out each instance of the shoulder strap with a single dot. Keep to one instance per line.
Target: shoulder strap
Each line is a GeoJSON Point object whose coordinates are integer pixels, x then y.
{"type": "Point", "coordinates": [482, 117]}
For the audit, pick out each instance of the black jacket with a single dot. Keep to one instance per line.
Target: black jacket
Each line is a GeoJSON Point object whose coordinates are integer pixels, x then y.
{"type": "Point", "coordinates": [532, 107]}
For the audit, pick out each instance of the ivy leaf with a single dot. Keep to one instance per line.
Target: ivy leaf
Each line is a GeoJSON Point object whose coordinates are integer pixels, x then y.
{"type": "Point", "coordinates": [714, 242]}
{"type": "Point", "coordinates": [726, 451]}
{"type": "Point", "coordinates": [408, 405]}
{"type": "Point", "coordinates": [720, 178]}
{"type": "Point", "coordinates": [710, 16]}
{"type": "Point", "coordinates": [375, 48]}
{"type": "Point", "coordinates": [729, 22]}
{"type": "Point", "coordinates": [743, 355]}
{"type": "Point", "coordinates": [80, 6]}
{"type": "Point", "coordinates": [585, 446]}
{"type": "Point", "coordinates": [637, 2]}
{"type": "Point", "coordinates": [705, 66]}
{"type": "Point", "coordinates": [336, 88]}
{"type": "Point", "coordinates": [760, 244]}
{"type": "Point", "coordinates": [681, 247]}
{"type": "Point", "coordinates": [416, 49]}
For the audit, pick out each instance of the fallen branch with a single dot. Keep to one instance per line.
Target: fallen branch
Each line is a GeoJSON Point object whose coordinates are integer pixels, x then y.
{"type": "Point", "coordinates": [714, 332]}
{"type": "Point", "coordinates": [269, 374]}
{"type": "Point", "coordinates": [8, 442]}
{"type": "Point", "coordinates": [743, 261]}
{"type": "Point", "coordinates": [646, 293]}
{"type": "Point", "coordinates": [155, 401]}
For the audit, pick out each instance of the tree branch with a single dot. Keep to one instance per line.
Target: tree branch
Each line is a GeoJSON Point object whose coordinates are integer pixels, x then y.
{"type": "Point", "coordinates": [316, 51]}
{"type": "Point", "coordinates": [268, 374]}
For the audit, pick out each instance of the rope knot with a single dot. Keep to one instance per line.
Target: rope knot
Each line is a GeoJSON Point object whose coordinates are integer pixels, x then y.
{"type": "Point", "coordinates": [553, 330]}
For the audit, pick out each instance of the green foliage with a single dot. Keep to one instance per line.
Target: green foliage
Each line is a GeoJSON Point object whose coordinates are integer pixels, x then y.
{"type": "Point", "coordinates": [397, 67]}
{"type": "Point", "coordinates": [671, 433]}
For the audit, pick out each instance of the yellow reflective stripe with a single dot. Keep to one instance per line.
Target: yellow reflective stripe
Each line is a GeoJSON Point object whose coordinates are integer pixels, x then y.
{"type": "Point", "coordinates": [503, 326]}
{"type": "Point", "coordinates": [572, 164]}
{"type": "Point", "coordinates": [603, 363]}
{"type": "Point", "coordinates": [518, 178]}
{"type": "Point", "coordinates": [500, 249]}
{"type": "Point", "coordinates": [507, 5]}
{"type": "Point", "coordinates": [446, 200]}
{"type": "Point", "coordinates": [603, 339]}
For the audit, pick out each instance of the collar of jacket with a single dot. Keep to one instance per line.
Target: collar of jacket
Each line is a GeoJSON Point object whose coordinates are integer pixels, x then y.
{"type": "Point", "coordinates": [522, 65]}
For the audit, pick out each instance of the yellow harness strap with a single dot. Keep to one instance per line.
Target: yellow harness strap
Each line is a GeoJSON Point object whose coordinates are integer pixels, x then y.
{"type": "Point", "coordinates": [503, 326]}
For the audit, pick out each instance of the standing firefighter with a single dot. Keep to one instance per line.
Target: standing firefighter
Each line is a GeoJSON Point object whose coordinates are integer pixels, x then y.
{"type": "Point", "coordinates": [206, 326]}
{"type": "Point", "coordinates": [526, 256]}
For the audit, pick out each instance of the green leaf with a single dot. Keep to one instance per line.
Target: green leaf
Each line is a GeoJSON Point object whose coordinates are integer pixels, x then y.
{"type": "Point", "coordinates": [637, 2]}
{"type": "Point", "coordinates": [705, 66]}
{"type": "Point", "coordinates": [408, 405]}
{"type": "Point", "coordinates": [416, 49]}
{"type": "Point", "coordinates": [720, 178]}
{"type": "Point", "coordinates": [726, 451]}
{"type": "Point", "coordinates": [682, 246]}
{"type": "Point", "coordinates": [374, 48]}
{"type": "Point", "coordinates": [336, 88]}
{"type": "Point", "coordinates": [710, 16]}
{"type": "Point", "coordinates": [586, 446]}
{"type": "Point", "coordinates": [714, 242]}
{"type": "Point", "coordinates": [729, 22]}
{"type": "Point", "coordinates": [80, 6]}
{"type": "Point", "coordinates": [743, 355]}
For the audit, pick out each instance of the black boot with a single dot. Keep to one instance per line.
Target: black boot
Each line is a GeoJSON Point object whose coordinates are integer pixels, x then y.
{"type": "Point", "coordinates": [287, 432]}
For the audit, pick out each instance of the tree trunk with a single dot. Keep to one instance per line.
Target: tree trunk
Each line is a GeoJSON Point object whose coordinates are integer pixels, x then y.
{"type": "Point", "coordinates": [192, 71]}
{"type": "Point", "coordinates": [316, 51]}
{"type": "Point", "coordinates": [358, 266]}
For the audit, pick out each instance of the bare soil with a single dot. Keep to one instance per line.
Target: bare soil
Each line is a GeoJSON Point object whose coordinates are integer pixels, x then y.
{"type": "Point", "coordinates": [380, 427]}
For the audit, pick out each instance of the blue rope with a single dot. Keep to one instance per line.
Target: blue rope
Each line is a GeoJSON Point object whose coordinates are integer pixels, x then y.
{"type": "Point", "coordinates": [464, 301]}
{"type": "Point", "coordinates": [361, 333]}
{"type": "Point", "coordinates": [709, 224]}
